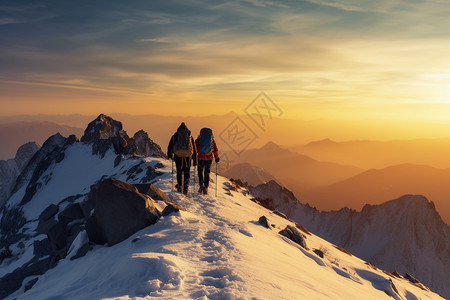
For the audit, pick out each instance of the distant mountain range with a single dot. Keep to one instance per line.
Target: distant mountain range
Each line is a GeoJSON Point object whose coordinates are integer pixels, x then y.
{"type": "Point", "coordinates": [13, 135]}
{"type": "Point", "coordinates": [376, 186]}
{"type": "Point", "coordinates": [298, 172]}
{"type": "Point", "coordinates": [331, 186]}
{"type": "Point", "coordinates": [249, 174]}
{"type": "Point", "coordinates": [380, 154]}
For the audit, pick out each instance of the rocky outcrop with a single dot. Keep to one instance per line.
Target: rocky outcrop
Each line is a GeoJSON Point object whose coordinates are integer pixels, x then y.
{"type": "Point", "coordinates": [294, 235]}
{"type": "Point", "coordinates": [145, 146]}
{"type": "Point", "coordinates": [105, 133]}
{"type": "Point", "coordinates": [11, 169]}
{"type": "Point", "coordinates": [102, 128]}
{"type": "Point", "coordinates": [158, 195]}
{"type": "Point", "coordinates": [60, 230]}
{"type": "Point", "coordinates": [120, 211]}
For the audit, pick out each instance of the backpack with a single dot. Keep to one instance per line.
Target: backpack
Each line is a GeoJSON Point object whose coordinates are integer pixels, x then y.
{"type": "Point", "coordinates": [206, 138]}
{"type": "Point", "coordinates": [183, 145]}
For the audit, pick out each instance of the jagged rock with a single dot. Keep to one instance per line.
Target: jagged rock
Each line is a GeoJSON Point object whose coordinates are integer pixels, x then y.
{"type": "Point", "coordinates": [105, 133]}
{"type": "Point", "coordinates": [168, 210]}
{"type": "Point", "coordinates": [42, 248]}
{"type": "Point", "coordinates": [10, 169]}
{"type": "Point", "coordinates": [82, 251]}
{"type": "Point", "coordinates": [70, 213]}
{"type": "Point", "coordinates": [102, 128]}
{"type": "Point", "coordinates": [158, 165]}
{"type": "Point", "coordinates": [294, 235]}
{"type": "Point", "coordinates": [278, 213]}
{"type": "Point", "coordinates": [145, 146]}
{"type": "Point", "coordinates": [11, 223]}
{"type": "Point", "coordinates": [319, 252]}
{"type": "Point", "coordinates": [158, 195]}
{"type": "Point", "coordinates": [49, 212]}
{"type": "Point", "coordinates": [13, 281]}
{"type": "Point", "coordinates": [117, 160]}
{"type": "Point", "coordinates": [88, 204]}
{"type": "Point", "coordinates": [44, 226]}
{"type": "Point", "coordinates": [5, 253]}
{"type": "Point", "coordinates": [120, 211]}
{"type": "Point", "coordinates": [57, 235]}
{"type": "Point", "coordinates": [264, 222]}
{"type": "Point", "coordinates": [411, 278]}
{"type": "Point", "coordinates": [151, 174]}
{"type": "Point", "coordinates": [30, 284]}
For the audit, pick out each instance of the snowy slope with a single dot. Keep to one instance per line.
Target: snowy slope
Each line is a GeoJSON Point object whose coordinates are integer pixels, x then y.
{"type": "Point", "coordinates": [215, 250]}
{"type": "Point", "coordinates": [404, 235]}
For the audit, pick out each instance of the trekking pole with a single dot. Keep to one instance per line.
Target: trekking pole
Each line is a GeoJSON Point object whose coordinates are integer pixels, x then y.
{"type": "Point", "coordinates": [194, 180]}
{"type": "Point", "coordinates": [216, 179]}
{"type": "Point", "coordinates": [172, 173]}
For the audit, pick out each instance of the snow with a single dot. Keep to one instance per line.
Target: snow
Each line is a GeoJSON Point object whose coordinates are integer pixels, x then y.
{"type": "Point", "coordinates": [214, 250]}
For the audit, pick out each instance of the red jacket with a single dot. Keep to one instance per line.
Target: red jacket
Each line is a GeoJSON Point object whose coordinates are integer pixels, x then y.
{"type": "Point", "coordinates": [207, 156]}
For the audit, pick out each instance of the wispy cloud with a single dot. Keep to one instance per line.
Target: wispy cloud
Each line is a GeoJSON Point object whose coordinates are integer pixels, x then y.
{"type": "Point", "coordinates": [156, 40]}
{"type": "Point", "coordinates": [313, 49]}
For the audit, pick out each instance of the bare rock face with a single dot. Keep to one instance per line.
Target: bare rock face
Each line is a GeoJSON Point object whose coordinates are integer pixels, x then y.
{"type": "Point", "coordinates": [294, 235]}
{"type": "Point", "coordinates": [120, 211]}
{"type": "Point", "coordinates": [102, 128]}
{"type": "Point", "coordinates": [10, 169]}
{"type": "Point", "coordinates": [105, 133]}
{"type": "Point", "coordinates": [158, 195]}
{"type": "Point", "coordinates": [145, 146]}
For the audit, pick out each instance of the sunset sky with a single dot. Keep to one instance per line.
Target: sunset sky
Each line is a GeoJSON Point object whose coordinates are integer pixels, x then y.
{"type": "Point", "coordinates": [314, 58]}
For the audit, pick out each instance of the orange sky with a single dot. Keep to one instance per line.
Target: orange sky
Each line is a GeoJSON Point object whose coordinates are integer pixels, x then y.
{"type": "Point", "coordinates": [345, 59]}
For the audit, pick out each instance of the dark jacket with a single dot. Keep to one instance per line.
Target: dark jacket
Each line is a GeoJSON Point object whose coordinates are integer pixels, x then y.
{"type": "Point", "coordinates": [173, 139]}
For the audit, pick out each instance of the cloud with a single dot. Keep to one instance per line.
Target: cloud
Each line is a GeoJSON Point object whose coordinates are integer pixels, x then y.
{"type": "Point", "coordinates": [202, 48]}
{"type": "Point", "coordinates": [263, 3]}
{"type": "Point", "coordinates": [155, 40]}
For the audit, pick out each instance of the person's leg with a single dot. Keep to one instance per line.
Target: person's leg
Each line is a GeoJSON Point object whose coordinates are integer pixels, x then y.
{"type": "Point", "coordinates": [207, 171]}
{"type": "Point", "coordinates": [187, 175]}
{"type": "Point", "coordinates": [200, 168]}
{"type": "Point", "coordinates": [179, 173]}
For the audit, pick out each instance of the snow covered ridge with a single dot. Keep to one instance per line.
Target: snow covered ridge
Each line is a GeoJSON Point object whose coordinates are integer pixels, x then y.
{"type": "Point", "coordinates": [50, 203]}
{"type": "Point", "coordinates": [227, 247]}
{"type": "Point", "coordinates": [405, 235]}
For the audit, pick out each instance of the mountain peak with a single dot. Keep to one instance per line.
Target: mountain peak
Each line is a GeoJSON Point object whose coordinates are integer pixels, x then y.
{"type": "Point", "coordinates": [271, 146]}
{"type": "Point", "coordinates": [407, 204]}
{"type": "Point", "coordinates": [324, 142]}
{"type": "Point", "coordinates": [103, 127]}
{"type": "Point", "coordinates": [26, 151]}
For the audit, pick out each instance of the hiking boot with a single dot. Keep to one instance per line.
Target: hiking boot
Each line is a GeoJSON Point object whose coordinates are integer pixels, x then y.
{"type": "Point", "coordinates": [205, 191]}
{"type": "Point", "coordinates": [178, 188]}
{"type": "Point", "coordinates": [185, 191]}
{"type": "Point", "coordinates": [200, 190]}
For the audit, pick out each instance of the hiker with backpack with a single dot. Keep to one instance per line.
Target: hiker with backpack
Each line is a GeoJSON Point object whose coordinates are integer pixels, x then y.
{"type": "Point", "coordinates": [182, 150]}
{"type": "Point", "coordinates": [206, 147]}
